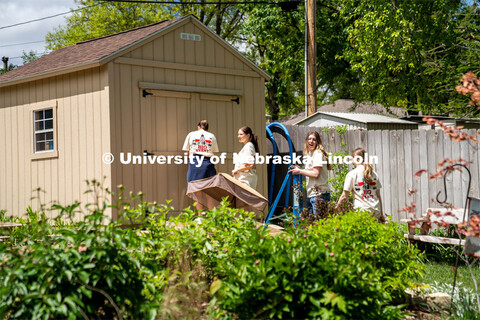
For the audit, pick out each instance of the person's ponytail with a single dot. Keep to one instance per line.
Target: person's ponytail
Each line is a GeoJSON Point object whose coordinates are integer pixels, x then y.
{"type": "Point", "coordinates": [368, 168]}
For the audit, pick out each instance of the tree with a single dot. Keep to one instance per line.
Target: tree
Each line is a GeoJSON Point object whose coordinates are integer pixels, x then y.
{"type": "Point", "coordinates": [409, 53]}
{"type": "Point", "coordinates": [97, 19]}
{"type": "Point", "coordinates": [9, 66]}
{"type": "Point", "coordinates": [274, 40]}
{"type": "Point", "coordinates": [29, 56]}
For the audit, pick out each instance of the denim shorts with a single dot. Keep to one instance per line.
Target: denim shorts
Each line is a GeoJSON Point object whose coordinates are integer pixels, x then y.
{"type": "Point", "coordinates": [312, 201]}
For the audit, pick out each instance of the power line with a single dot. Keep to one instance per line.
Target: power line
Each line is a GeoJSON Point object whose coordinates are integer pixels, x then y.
{"type": "Point", "coordinates": [153, 2]}
{"type": "Point", "coordinates": [203, 2]}
{"type": "Point", "coordinates": [44, 18]}
{"type": "Point", "coordinates": [19, 44]}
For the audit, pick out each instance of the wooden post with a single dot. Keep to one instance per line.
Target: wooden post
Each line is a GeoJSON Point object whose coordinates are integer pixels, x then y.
{"type": "Point", "coordinates": [311, 72]}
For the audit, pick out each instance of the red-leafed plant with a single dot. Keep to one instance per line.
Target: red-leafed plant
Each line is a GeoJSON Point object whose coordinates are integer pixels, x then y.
{"type": "Point", "coordinates": [470, 84]}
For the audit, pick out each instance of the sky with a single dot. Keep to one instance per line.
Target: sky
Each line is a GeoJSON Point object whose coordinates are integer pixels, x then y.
{"type": "Point", "coordinates": [17, 11]}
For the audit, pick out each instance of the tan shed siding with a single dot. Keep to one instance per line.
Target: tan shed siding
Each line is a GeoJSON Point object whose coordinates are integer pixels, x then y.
{"type": "Point", "coordinates": [7, 173]}
{"type": "Point", "coordinates": [169, 56]}
{"type": "Point", "coordinates": [125, 109]}
{"type": "Point", "coordinates": [79, 132]}
{"type": "Point", "coordinates": [147, 53]}
{"type": "Point", "coordinates": [210, 59]}
{"type": "Point", "coordinates": [200, 58]}
{"type": "Point", "coordinates": [189, 54]}
{"type": "Point", "coordinates": [220, 63]}
{"type": "Point", "coordinates": [137, 130]}
{"type": "Point", "coordinates": [3, 155]}
{"type": "Point", "coordinates": [22, 139]}
{"type": "Point", "coordinates": [261, 133]}
{"type": "Point", "coordinates": [179, 55]}
{"type": "Point", "coordinates": [115, 120]}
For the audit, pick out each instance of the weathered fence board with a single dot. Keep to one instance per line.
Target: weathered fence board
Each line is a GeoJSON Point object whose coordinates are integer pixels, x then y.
{"type": "Point", "coordinates": [401, 153]}
{"type": "Point", "coordinates": [408, 161]}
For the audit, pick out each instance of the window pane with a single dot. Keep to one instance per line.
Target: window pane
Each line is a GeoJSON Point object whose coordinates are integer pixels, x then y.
{"type": "Point", "coordinates": [38, 115]}
{"type": "Point", "coordinates": [39, 125]}
{"type": "Point", "coordinates": [40, 146]}
{"type": "Point", "coordinates": [40, 137]}
{"type": "Point", "coordinates": [49, 145]}
{"type": "Point", "coordinates": [49, 114]}
{"type": "Point", "coordinates": [49, 124]}
{"type": "Point", "coordinates": [49, 135]}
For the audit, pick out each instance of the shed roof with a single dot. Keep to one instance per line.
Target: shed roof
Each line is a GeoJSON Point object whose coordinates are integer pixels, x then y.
{"type": "Point", "coordinates": [96, 51]}
{"type": "Point", "coordinates": [348, 105]}
{"type": "Point", "coordinates": [358, 117]}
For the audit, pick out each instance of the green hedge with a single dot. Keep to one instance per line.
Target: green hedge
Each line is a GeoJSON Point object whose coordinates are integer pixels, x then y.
{"type": "Point", "coordinates": [348, 266]}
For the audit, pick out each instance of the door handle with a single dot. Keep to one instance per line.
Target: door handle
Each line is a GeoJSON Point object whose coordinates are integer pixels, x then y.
{"type": "Point", "coordinates": [146, 153]}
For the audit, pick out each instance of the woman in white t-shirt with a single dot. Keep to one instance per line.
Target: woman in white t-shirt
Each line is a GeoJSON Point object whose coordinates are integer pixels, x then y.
{"type": "Point", "coordinates": [197, 144]}
{"type": "Point", "coordinates": [365, 185]}
{"type": "Point", "coordinates": [244, 170]}
{"type": "Point", "coordinates": [316, 171]}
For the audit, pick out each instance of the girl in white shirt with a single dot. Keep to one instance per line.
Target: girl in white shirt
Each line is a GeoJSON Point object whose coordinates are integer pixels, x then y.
{"type": "Point", "coordinates": [244, 170]}
{"type": "Point", "coordinates": [316, 171]}
{"type": "Point", "coordinates": [365, 185]}
{"type": "Point", "coordinates": [198, 144]}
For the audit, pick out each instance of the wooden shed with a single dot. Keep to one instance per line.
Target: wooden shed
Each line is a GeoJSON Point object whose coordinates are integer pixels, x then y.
{"type": "Point", "coordinates": [356, 121]}
{"type": "Point", "coordinates": [142, 89]}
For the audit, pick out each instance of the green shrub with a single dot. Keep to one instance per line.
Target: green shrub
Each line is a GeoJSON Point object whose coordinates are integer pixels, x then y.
{"type": "Point", "coordinates": [87, 271]}
{"type": "Point", "coordinates": [348, 267]}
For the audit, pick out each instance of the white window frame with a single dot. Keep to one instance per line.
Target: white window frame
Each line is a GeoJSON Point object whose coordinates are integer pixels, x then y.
{"type": "Point", "coordinates": [50, 153]}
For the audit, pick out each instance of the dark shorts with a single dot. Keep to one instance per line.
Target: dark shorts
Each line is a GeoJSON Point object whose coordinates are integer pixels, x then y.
{"type": "Point", "coordinates": [206, 169]}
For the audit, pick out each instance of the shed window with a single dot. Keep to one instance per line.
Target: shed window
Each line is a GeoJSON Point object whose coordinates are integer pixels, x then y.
{"type": "Point", "coordinates": [43, 130]}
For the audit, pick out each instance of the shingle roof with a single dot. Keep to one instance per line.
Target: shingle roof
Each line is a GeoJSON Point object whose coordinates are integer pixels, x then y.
{"type": "Point", "coordinates": [84, 53]}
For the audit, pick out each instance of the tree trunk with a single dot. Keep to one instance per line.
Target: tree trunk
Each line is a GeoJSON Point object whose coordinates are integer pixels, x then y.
{"type": "Point", "coordinates": [273, 107]}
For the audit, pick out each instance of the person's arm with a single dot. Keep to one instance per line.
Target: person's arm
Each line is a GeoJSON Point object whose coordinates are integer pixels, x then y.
{"type": "Point", "coordinates": [347, 188]}
{"type": "Point", "coordinates": [244, 167]}
{"type": "Point", "coordinates": [342, 199]}
{"type": "Point", "coordinates": [314, 173]}
{"type": "Point", "coordinates": [214, 145]}
{"type": "Point", "coordinates": [249, 156]}
{"type": "Point", "coordinates": [382, 216]}
{"type": "Point", "coordinates": [186, 145]}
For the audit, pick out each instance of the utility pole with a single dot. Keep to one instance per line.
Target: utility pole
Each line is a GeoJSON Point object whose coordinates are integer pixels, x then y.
{"type": "Point", "coordinates": [311, 58]}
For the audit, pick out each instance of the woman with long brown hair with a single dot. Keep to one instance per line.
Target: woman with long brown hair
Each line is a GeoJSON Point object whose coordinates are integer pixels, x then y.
{"type": "Point", "coordinates": [245, 170]}
{"type": "Point", "coordinates": [316, 170]}
{"type": "Point", "coordinates": [365, 185]}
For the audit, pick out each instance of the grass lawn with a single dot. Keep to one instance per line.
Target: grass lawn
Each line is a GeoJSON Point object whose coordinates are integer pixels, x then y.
{"type": "Point", "coordinates": [443, 273]}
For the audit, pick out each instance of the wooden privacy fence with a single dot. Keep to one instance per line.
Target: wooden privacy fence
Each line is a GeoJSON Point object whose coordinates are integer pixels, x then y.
{"type": "Point", "coordinates": [401, 153]}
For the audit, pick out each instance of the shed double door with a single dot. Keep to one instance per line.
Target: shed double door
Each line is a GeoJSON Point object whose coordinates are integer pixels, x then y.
{"type": "Point", "coordinates": [166, 119]}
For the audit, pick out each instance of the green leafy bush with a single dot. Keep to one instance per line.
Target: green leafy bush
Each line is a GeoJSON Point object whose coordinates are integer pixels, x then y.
{"type": "Point", "coordinates": [347, 267]}
{"type": "Point", "coordinates": [90, 271]}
